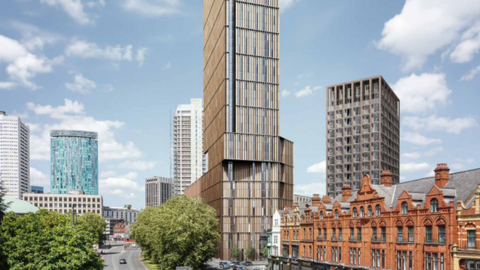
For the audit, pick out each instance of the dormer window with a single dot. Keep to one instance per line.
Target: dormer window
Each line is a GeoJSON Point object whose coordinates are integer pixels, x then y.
{"type": "Point", "coordinates": [434, 205]}
{"type": "Point", "coordinates": [355, 212]}
{"type": "Point", "coordinates": [404, 208]}
{"type": "Point", "coordinates": [336, 214]}
{"type": "Point", "coordinates": [370, 211]}
{"type": "Point", "coordinates": [321, 215]}
{"type": "Point", "coordinates": [378, 210]}
{"type": "Point", "coordinates": [362, 212]}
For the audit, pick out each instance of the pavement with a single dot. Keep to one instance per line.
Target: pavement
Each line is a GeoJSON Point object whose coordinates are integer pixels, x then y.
{"type": "Point", "coordinates": [113, 255]}
{"type": "Point", "coordinates": [214, 264]}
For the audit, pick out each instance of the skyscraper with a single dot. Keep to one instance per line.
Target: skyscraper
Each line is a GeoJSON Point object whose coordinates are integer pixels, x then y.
{"type": "Point", "coordinates": [250, 168]}
{"type": "Point", "coordinates": [74, 161]}
{"type": "Point", "coordinates": [14, 155]}
{"type": "Point", "coordinates": [188, 158]}
{"type": "Point", "coordinates": [158, 190]}
{"type": "Point", "coordinates": [363, 127]}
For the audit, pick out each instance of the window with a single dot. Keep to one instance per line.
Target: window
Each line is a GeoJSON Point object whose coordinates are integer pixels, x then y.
{"type": "Point", "coordinates": [410, 234]}
{"type": "Point", "coordinates": [404, 208]}
{"type": "Point", "coordinates": [428, 235]}
{"type": "Point", "coordinates": [359, 234]}
{"type": "Point", "coordinates": [441, 234]}
{"type": "Point", "coordinates": [352, 234]}
{"type": "Point", "coordinates": [321, 214]}
{"type": "Point", "coordinates": [384, 234]}
{"type": "Point", "coordinates": [362, 212]}
{"type": "Point", "coordinates": [336, 214]}
{"type": "Point", "coordinates": [400, 234]}
{"type": "Point", "coordinates": [369, 210]}
{"type": "Point", "coordinates": [340, 234]}
{"type": "Point", "coordinates": [355, 214]}
{"type": "Point", "coordinates": [378, 210]}
{"type": "Point", "coordinates": [471, 239]}
{"type": "Point", "coordinates": [434, 206]}
{"type": "Point", "coordinates": [374, 232]}
{"type": "Point", "coordinates": [325, 234]}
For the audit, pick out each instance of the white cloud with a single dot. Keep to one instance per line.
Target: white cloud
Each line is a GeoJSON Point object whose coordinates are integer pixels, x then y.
{"type": "Point", "coordinates": [71, 116]}
{"type": "Point", "coordinates": [141, 56]}
{"type": "Point", "coordinates": [469, 46]}
{"type": "Point", "coordinates": [75, 8]}
{"type": "Point", "coordinates": [413, 167]}
{"type": "Point", "coordinates": [152, 7]}
{"type": "Point", "coordinates": [320, 167]}
{"type": "Point", "coordinates": [7, 85]}
{"type": "Point", "coordinates": [81, 85]}
{"type": "Point", "coordinates": [285, 4]}
{"type": "Point", "coordinates": [307, 91]}
{"type": "Point", "coordinates": [286, 93]}
{"type": "Point", "coordinates": [418, 139]}
{"type": "Point", "coordinates": [456, 166]}
{"type": "Point", "coordinates": [167, 66]}
{"type": "Point", "coordinates": [37, 178]}
{"type": "Point", "coordinates": [445, 124]}
{"type": "Point", "coordinates": [86, 49]}
{"type": "Point", "coordinates": [23, 65]}
{"type": "Point", "coordinates": [121, 187]}
{"type": "Point", "coordinates": [34, 38]}
{"type": "Point", "coordinates": [422, 92]}
{"type": "Point", "coordinates": [413, 155]}
{"type": "Point", "coordinates": [317, 187]}
{"type": "Point", "coordinates": [424, 27]}
{"type": "Point", "coordinates": [434, 151]}
{"type": "Point", "coordinates": [108, 88]}
{"type": "Point", "coordinates": [138, 165]}
{"type": "Point", "coordinates": [471, 74]}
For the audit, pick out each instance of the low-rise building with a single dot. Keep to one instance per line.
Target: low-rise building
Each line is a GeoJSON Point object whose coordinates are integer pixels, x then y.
{"type": "Point", "coordinates": [126, 213]}
{"type": "Point", "coordinates": [121, 230]}
{"type": "Point", "coordinates": [110, 226]}
{"type": "Point", "coordinates": [36, 189]}
{"type": "Point", "coordinates": [63, 203]}
{"type": "Point", "coordinates": [429, 223]}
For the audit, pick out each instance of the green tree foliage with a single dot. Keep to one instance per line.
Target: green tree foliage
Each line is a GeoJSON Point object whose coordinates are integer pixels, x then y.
{"type": "Point", "coordinates": [3, 204]}
{"type": "Point", "coordinates": [94, 224]}
{"type": "Point", "coordinates": [181, 232]}
{"type": "Point", "coordinates": [47, 240]}
{"type": "Point", "coordinates": [235, 252]}
{"type": "Point", "coordinates": [265, 252]}
{"type": "Point", "coordinates": [250, 253]}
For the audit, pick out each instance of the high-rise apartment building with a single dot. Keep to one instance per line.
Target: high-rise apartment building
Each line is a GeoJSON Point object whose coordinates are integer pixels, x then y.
{"type": "Point", "coordinates": [74, 161]}
{"type": "Point", "coordinates": [14, 155]}
{"type": "Point", "coordinates": [250, 167]}
{"type": "Point", "coordinates": [158, 190]}
{"type": "Point", "coordinates": [188, 158]}
{"type": "Point", "coordinates": [363, 127]}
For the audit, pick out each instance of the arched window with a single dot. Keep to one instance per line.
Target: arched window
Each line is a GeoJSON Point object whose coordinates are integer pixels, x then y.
{"type": "Point", "coordinates": [355, 213]}
{"type": "Point", "coordinates": [434, 206]}
{"type": "Point", "coordinates": [321, 214]}
{"type": "Point", "coordinates": [404, 208]}
{"type": "Point", "coordinates": [378, 210]}
{"type": "Point", "coordinates": [370, 211]}
{"type": "Point", "coordinates": [336, 214]}
{"type": "Point", "coordinates": [362, 212]}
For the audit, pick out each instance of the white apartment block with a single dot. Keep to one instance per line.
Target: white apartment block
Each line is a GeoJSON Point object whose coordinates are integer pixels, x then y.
{"type": "Point", "coordinates": [126, 213]}
{"type": "Point", "coordinates": [64, 203]}
{"type": "Point", "coordinates": [276, 220]}
{"type": "Point", "coordinates": [189, 162]}
{"type": "Point", "coordinates": [14, 155]}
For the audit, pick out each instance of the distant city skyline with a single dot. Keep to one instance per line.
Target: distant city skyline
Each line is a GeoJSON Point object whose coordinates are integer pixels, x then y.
{"type": "Point", "coordinates": [122, 78]}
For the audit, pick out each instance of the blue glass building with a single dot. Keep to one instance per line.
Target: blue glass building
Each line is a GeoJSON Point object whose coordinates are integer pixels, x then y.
{"type": "Point", "coordinates": [74, 161]}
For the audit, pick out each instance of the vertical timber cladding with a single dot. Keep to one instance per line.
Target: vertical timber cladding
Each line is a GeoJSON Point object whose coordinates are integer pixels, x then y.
{"type": "Point", "coordinates": [250, 168]}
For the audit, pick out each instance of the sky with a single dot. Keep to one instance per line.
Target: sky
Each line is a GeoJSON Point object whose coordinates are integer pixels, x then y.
{"type": "Point", "coordinates": [121, 67]}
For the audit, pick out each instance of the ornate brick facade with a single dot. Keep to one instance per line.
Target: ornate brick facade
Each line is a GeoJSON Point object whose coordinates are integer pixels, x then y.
{"type": "Point", "coordinates": [411, 225]}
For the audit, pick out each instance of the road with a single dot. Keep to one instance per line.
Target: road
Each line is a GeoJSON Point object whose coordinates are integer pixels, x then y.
{"type": "Point", "coordinates": [131, 255]}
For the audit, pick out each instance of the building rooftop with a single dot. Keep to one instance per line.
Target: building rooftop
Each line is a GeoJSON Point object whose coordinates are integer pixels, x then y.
{"type": "Point", "coordinates": [74, 133]}
{"type": "Point", "coordinates": [19, 207]}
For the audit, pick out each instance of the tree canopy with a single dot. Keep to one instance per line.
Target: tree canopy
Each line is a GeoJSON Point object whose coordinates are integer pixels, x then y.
{"type": "Point", "coordinates": [47, 240]}
{"type": "Point", "coordinates": [181, 232]}
{"type": "Point", "coordinates": [250, 253]}
{"type": "Point", "coordinates": [235, 252]}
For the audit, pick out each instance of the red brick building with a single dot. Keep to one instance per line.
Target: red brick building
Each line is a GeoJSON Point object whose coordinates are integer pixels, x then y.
{"type": "Point", "coordinates": [411, 225]}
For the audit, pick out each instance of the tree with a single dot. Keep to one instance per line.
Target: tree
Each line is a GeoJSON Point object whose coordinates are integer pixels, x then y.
{"type": "Point", "coordinates": [3, 204]}
{"type": "Point", "coordinates": [181, 232]}
{"type": "Point", "coordinates": [265, 252]}
{"type": "Point", "coordinates": [94, 224]}
{"type": "Point", "coordinates": [250, 253]}
{"type": "Point", "coordinates": [47, 240]}
{"type": "Point", "coordinates": [235, 252]}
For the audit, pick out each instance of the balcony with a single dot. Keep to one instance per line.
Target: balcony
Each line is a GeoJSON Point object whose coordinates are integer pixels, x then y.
{"type": "Point", "coordinates": [319, 238]}
{"type": "Point", "coordinates": [355, 240]}
{"type": "Point", "coordinates": [335, 239]}
{"type": "Point", "coordinates": [436, 243]}
{"type": "Point", "coordinates": [376, 239]}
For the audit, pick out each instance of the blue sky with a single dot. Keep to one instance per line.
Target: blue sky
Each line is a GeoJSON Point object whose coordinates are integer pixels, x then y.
{"type": "Point", "coordinates": [121, 67]}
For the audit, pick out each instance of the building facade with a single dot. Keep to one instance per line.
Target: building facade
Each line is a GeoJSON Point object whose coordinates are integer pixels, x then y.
{"type": "Point", "coordinates": [14, 155]}
{"type": "Point", "coordinates": [249, 166]}
{"type": "Point", "coordinates": [126, 213]}
{"type": "Point", "coordinates": [411, 225]}
{"type": "Point", "coordinates": [188, 159]}
{"type": "Point", "coordinates": [158, 190]}
{"type": "Point", "coordinates": [363, 127]}
{"type": "Point", "coordinates": [301, 198]}
{"type": "Point", "coordinates": [64, 203]}
{"type": "Point", "coordinates": [36, 189]}
{"type": "Point", "coordinates": [276, 221]}
{"type": "Point", "coordinates": [74, 161]}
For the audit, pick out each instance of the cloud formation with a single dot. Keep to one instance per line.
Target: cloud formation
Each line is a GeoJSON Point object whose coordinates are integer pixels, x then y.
{"type": "Point", "coordinates": [86, 49]}
{"type": "Point", "coordinates": [434, 123]}
{"type": "Point", "coordinates": [418, 139]}
{"type": "Point", "coordinates": [153, 8]}
{"type": "Point", "coordinates": [81, 85]}
{"type": "Point", "coordinates": [75, 8]}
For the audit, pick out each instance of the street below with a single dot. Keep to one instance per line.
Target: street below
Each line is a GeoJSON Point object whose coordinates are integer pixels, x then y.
{"type": "Point", "coordinates": [113, 256]}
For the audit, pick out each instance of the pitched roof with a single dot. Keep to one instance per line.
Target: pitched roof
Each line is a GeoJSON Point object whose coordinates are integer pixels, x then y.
{"type": "Point", "coordinates": [19, 206]}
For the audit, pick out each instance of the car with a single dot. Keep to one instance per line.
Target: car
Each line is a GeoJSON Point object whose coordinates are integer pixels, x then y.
{"type": "Point", "coordinates": [224, 265]}
{"type": "Point", "coordinates": [238, 267]}
{"type": "Point", "coordinates": [123, 261]}
{"type": "Point", "coordinates": [246, 263]}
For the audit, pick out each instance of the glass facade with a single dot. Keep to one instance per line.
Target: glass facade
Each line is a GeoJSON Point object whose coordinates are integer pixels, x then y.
{"type": "Point", "coordinates": [74, 161]}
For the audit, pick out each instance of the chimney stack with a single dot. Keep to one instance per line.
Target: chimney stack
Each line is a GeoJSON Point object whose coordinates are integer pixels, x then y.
{"type": "Point", "coordinates": [316, 200]}
{"type": "Point", "coordinates": [442, 174]}
{"type": "Point", "coordinates": [326, 199]}
{"type": "Point", "coordinates": [386, 178]}
{"type": "Point", "coordinates": [346, 192]}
